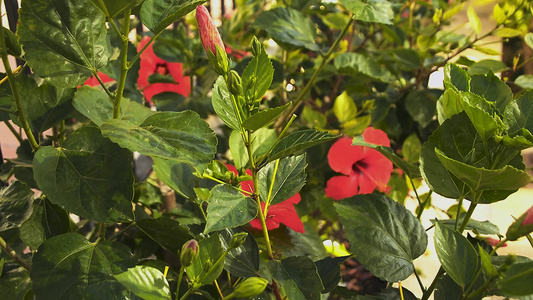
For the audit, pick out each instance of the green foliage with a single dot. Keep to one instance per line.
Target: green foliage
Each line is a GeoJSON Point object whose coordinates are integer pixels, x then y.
{"type": "Point", "coordinates": [81, 195]}
{"type": "Point", "coordinates": [64, 42]}
{"type": "Point", "coordinates": [391, 237]}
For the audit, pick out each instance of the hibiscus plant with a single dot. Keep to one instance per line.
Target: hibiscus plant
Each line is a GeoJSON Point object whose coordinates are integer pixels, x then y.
{"type": "Point", "coordinates": [181, 162]}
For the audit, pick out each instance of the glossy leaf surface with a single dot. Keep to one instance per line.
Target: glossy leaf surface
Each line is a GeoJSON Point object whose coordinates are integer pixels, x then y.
{"type": "Point", "coordinates": [228, 208]}
{"type": "Point", "coordinates": [159, 14]}
{"type": "Point", "coordinates": [299, 140]}
{"type": "Point", "coordinates": [68, 266]}
{"type": "Point", "coordinates": [90, 176]}
{"type": "Point", "coordinates": [64, 41]}
{"type": "Point", "coordinates": [384, 236]}
{"type": "Point", "coordinates": [283, 183]}
{"type": "Point", "coordinates": [146, 282]}
{"type": "Point", "coordinates": [15, 205]}
{"type": "Point", "coordinates": [166, 232]}
{"type": "Point", "coordinates": [298, 277]}
{"type": "Point", "coordinates": [180, 136]}
{"type": "Point", "coordinates": [457, 256]}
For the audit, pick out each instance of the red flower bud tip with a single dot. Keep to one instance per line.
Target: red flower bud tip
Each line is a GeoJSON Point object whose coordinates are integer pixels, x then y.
{"type": "Point", "coordinates": [208, 31]}
{"type": "Point", "coordinates": [529, 217]}
{"type": "Point", "coordinates": [493, 242]}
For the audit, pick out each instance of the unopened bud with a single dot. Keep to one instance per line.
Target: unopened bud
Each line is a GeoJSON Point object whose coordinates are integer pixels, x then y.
{"type": "Point", "coordinates": [189, 252]}
{"type": "Point", "coordinates": [234, 83]}
{"type": "Point", "coordinates": [250, 287]}
{"type": "Point", "coordinates": [257, 48]}
{"type": "Point", "coordinates": [207, 265]}
{"type": "Point", "coordinates": [211, 40]}
{"type": "Point", "coordinates": [521, 226]}
{"type": "Point", "coordinates": [238, 239]}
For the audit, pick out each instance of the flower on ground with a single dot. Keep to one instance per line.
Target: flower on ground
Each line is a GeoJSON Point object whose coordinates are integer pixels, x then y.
{"type": "Point", "coordinates": [280, 213]}
{"type": "Point", "coordinates": [364, 169]}
{"type": "Point", "coordinates": [151, 64]}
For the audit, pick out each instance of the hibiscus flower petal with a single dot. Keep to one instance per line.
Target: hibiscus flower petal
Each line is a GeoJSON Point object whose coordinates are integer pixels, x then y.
{"type": "Point", "coordinates": [342, 155]}
{"type": "Point", "coordinates": [376, 136]}
{"type": "Point", "coordinates": [340, 187]}
{"type": "Point", "coordinates": [284, 213]}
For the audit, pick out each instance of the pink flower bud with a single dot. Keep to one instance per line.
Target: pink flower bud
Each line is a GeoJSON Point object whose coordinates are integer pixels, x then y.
{"type": "Point", "coordinates": [208, 31]}
{"type": "Point", "coordinates": [529, 217]}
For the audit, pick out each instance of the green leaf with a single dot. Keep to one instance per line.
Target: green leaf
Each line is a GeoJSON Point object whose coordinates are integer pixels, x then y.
{"type": "Point", "coordinates": [411, 148]}
{"type": "Point", "coordinates": [421, 106]}
{"type": "Point", "coordinates": [329, 270]}
{"type": "Point", "coordinates": [93, 103]}
{"type": "Point", "coordinates": [487, 265]}
{"type": "Point", "coordinates": [159, 14]}
{"type": "Point", "coordinates": [257, 76]}
{"type": "Point", "coordinates": [297, 276]}
{"type": "Point", "coordinates": [262, 139]}
{"type": "Point", "coordinates": [47, 105]}
{"type": "Point", "coordinates": [64, 41]}
{"type": "Point", "coordinates": [506, 178]}
{"type": "Point", "coordinates": [224, 106]}
{"type": "Point", "coordinates": [407, 59]}
{"type": "Point", "coordinates": [179, 176]}
{"type": "Point", "coordinates": [12, 44]}
{"type": "Point", "coordinates": [298, 141]}
{"type": "Point", "coordinates": [47, 220]}
{"type": "Point", "coordinates": [492, 88]}
{"type": "Point", "coordinates": [112, 8]}
{"type": "Point", "coordinates": [181, 136]}
{"type": "Point", "coordinates": [242, 261]}
{"type": "Point", "coordinates": [455, 77]}
{"type": "Point", "coordinates": [358, 63]}
{"type": "Point", "coordinates": [486, 65]}
{"type": "Point", "coordinates": [409, 169]}
{"type": "Point", "coordinates": [288, 27]}
{"type": "Point", "coordinates": [458, 139]}
{"type": "Point", "coordinates": [210, 260]}
{"type": "Point", "coordinates": [518, 114]}
{"type": "Point", "coordinates": [474, 20]}
{"type": "Point", "coordinates": [289, 179]}
{"type": "Point", "coordinates": [529, 39]}
{"type": "Point", "coordinates": [485, 227]}
{"type": "Point", "coordinates": [517, 280]}
{"type": "Point", "coordinates": [525, 81]}
{"type": "Point", "coordinates": [344, 108]}
{"type": "Point", "coordinates": [15, 205]}
{"type": "Point", "coordinates": [14, 282]}
{"type": "Point", "coordinates": [89, 176]}
{"type": "Point", "coordinates": [457, 256]}
{"type": "Point", "coordinates": [68, 266]}
{"type": "Point", "coordinates": [384, 236]}
{"type": "Point", "coordinates": [507, 32]}
{"type": "Point", "coordinates": [146, 282]}
{"type": "Point", "coordinates": [228, 208]}
{"type": "Point", "coordinates": [264, 117]}
{"type": "Point", "coordinates": [482, 115]}
{"type": "Point", "coordinates": [166, 232]}
{"type": "Point", "coordinates": [375, 11]}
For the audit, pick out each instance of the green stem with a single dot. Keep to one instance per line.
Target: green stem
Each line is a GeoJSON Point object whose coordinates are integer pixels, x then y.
{"type": "Point", "coordinates": [14, 131]}
{"type": "Point", "coordinates": [419, 282]}
{"type": "Point", "coordinates": [431, 288]}
{"type": "Point", "coordinates": [121, 232]}
{"type": "Point", "coordinates": [222, 182]}
{"type": "Point", "coordinates": [14, 254]}
{"type": "Point", "coordinates": [123, 64]}
{"type": "Point", "coordinates": [102, 84]}
{"type": "Point", "coordinates": [180, 278]}
{"type": "Point", "coordinates": [14, 89]}
{"type": "Point", "coordinates": [150, 41]}
{"type": "Point", "coordinates": [247, 137]}
{"type": "Point", "coordinates": [459, 206]}
{"type": "Point", "coordinates": [325, 58]}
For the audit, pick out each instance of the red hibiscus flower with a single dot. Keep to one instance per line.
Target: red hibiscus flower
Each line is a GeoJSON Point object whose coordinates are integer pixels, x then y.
{"type": "Point", "coordinates": [151, 64]}
{"type": "Point", "coordinates": [365, 169]}
{"type": "Point", "coordinates": [280, 213]}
